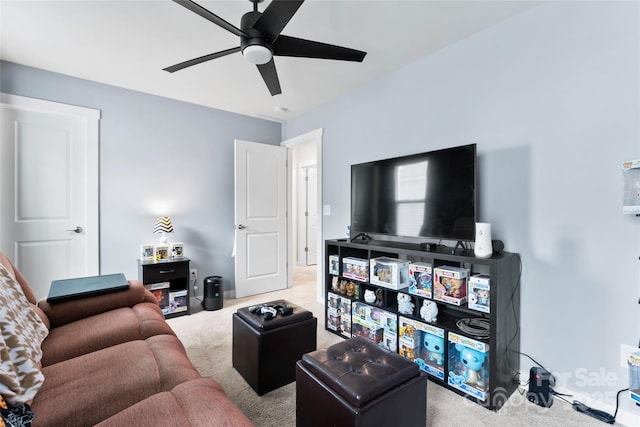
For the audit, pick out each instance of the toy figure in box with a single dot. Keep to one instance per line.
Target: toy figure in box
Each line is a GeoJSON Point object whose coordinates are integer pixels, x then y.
{"type": "Point", "coordinates": [333, 321]}
{"type": "Point", "coordinates": [420, 281]}
{"type": "Point", "coordinates": [334, 301]}
{"type": "Point", "coordinates": [345, 325]}
{"type": "Point", "coordinates": [434, 346]}
{"type": "Point", "coordinates": [471, 370]}
{"type": "Point", "coordinates": [407, 352]}
{"type": "Point", "coordinates": [334, 263]}
{"type": "Point", "coordinates": [450, 285]}
{"type": "Point", "coordinates": [468, 364]}
{"type": "Point", "coordinates": [345, 306]}
{"type": "Point", "coordinates": [479, 293]}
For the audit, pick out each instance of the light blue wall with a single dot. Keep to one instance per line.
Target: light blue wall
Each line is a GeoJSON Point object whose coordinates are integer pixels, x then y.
{"type": "Point", "coordinates": [157, 156]}
{"type": "Point", "coordinates": [551, 97]}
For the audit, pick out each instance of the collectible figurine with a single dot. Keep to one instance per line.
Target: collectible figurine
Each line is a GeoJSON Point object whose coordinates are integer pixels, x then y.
{"type": "Point", "coordinates": [429, 311]}
{"type": "Point", "coordinates": [434, 345]}
{"type": "Point", "coordinates": [350, 289]}
{"type": "Point", "coordinates": [369, 296]}
{"type": "Point", "coordinates": [405, 306]}
{"type": "Point", "coordinates": [379, 297]}
{"type": "Point", "coordinates": [482, 296]}
{"type": "Point", "coordinates": [473, 362]}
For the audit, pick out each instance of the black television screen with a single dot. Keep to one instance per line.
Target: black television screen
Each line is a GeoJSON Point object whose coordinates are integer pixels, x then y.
{"type": "Point", "coordinates": [431, 194]}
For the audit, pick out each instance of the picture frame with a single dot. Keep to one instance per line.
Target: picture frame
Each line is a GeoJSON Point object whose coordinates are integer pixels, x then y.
{"type": "Point", "coordinates": [147, 252]}
{"type": "Point", "coordinates": [177, 250]}
{"type": "Point", "coordinates": [162, 252]}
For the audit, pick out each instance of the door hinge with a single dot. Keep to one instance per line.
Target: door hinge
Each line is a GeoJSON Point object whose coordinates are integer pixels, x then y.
{"type": "Point", "coordinates": [306, 214]}
{"type": "Point", "coordinates": [306, 249]}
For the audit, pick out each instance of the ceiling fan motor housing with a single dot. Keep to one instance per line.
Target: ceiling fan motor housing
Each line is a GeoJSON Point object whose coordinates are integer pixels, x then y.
{"type": "Point", "coordinates": [255, 37]}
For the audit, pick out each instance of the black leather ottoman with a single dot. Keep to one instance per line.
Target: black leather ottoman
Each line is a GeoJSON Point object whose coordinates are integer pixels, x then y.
{"type": "Point", "coordinates": [357, 383]}
{"type": "Point", "coordinates": [265, 352]}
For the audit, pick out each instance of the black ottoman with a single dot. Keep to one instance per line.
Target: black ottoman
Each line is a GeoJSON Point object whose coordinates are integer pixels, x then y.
{"type": "Point", "coordinates": [265, 352]}
{"type": "Point", "coordinates": [357, 383]}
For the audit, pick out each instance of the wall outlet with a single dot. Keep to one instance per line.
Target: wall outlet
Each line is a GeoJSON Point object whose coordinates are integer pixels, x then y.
{"type": "Point", "coordinates": [625, 351]}
{"type": "Point", "coordinates": [193, 277]}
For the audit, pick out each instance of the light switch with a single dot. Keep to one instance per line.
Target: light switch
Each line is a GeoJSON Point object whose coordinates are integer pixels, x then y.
{"type": "Point", "coordinates": [326, 210]}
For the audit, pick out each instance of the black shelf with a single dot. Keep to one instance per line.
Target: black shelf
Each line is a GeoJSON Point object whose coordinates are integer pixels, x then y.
{"type": "Point", "coordinates": [504, 336]}
{"type": "Point", "coordinates": [176, 273]}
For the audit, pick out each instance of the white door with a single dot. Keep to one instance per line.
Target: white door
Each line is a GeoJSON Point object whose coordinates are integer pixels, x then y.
{"type": "Point", "coordinates": [48, 189]}
{"type": "Point", "coordinates": [312, 215]}
{"type": "Point", "coordinates": [260, 218]}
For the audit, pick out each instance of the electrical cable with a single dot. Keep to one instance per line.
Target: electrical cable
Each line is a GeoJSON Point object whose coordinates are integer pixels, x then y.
{"type": "Point", "coordinates": [515, 316]}
{"type": "Point", "coordinates": [478, 327]}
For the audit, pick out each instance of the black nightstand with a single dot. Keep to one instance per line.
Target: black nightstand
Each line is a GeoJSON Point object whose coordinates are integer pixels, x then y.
{"type": "Point", "coordinates": [169, 282]}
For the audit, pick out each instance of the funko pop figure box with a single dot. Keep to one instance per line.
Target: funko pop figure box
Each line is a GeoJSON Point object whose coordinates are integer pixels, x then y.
{"type": "Point", "coordinates": [390, 273]}
{"type": "Point", "coordinates": [355, 268]}
{"type": "Point", "coordinates": [478, 294]}
{"type": "Point", "coordinates": [420, 279]}
{"type": "Point", "coordinates": [468, 365]}
{"type": "Point", "coordinates": [423, 344]}
{"type": "Point", "coordinates": [450, 284]}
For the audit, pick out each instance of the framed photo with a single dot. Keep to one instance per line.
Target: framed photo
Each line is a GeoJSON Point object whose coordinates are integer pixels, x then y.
{"type": "Point", "coordinates": [162, 252]}
{"type": "Point", "coordinates": [177, 250]}
{"type": "Point", "coordinates": [147, 253]}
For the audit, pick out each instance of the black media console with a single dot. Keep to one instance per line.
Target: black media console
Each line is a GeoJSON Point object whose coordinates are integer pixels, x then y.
{"type": "Point", "coordinates": [483, 369]}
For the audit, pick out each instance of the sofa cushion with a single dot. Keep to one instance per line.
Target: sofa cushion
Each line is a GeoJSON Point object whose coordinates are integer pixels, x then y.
{"type": "Point", "coordinates": [90, 388]}
{"type": "Point", "coordinates": [22, 332]}
{"type": "Point", "coordinates": [196, 403]}
{"type": "Point", "coordinates": [103, 330]}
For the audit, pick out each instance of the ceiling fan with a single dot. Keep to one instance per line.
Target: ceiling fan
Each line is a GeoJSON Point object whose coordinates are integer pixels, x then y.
{"type": "Point", "coordinates": [260, 40]}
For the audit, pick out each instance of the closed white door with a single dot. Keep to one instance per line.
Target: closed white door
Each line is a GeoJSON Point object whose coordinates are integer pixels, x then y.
{"type": "Point", "coordinates": [260, 218]}
{"type": "Point", "coordinates": [48, 189]}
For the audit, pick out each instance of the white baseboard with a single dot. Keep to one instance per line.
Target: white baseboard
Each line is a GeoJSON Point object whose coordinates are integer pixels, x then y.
{"type": "Point", "coordinates": [624, 417]}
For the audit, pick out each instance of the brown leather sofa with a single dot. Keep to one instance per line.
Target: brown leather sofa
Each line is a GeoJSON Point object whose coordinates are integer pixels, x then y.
{"type": "Point", "coordinates": [112, 360]}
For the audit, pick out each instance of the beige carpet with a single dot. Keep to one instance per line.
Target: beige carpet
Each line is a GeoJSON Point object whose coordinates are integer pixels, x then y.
{"type": "Point", "coordinates": [207, 337]}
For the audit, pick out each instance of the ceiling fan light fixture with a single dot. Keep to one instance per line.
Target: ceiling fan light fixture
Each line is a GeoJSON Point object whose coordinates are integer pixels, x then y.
{"type": "Point", "coordinates": [257, 54]}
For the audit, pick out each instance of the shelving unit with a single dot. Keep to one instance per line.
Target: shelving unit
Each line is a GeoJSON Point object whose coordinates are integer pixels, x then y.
{"type": "Point", "coordinates": [347, 315]}
{"type": "Point", "coordinates": [169, 281]}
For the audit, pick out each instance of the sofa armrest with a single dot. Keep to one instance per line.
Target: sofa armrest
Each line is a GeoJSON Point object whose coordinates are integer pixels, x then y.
{"type": "Point", "coordinates": [65, 312]}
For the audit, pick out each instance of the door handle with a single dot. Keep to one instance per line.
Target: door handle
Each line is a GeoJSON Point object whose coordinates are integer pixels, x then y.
{"type": "Point", "coordinates": [78, 229]}
{"type": "Point", "coordinates": [240, 227]}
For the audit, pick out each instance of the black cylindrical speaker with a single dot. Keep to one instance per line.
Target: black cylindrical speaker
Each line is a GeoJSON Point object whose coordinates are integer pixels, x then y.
{"type": "Point", "coordinates": [213, 296]}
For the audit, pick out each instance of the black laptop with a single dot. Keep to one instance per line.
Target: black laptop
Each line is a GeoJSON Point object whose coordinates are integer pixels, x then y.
{"type": "Point", "coordinates": [69, 289]}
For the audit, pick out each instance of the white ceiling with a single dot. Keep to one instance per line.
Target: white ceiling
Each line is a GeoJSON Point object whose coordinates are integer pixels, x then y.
{"type": "Point", "coordinates": [128, 43]}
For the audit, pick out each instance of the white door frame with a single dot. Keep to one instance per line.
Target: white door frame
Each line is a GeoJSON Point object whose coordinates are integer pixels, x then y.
{"type": "Point", "coordinates": [314, 136]}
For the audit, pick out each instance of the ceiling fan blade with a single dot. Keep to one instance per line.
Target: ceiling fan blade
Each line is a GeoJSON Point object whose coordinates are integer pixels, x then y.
{"type": "Point", "coordinates": [200, 60]}
{"type": "Point", "coordinates": [206, 14]}
{"type": "Point", "coordinates": [275, 17]}
{"type": "Point", "coordinates": [270, 77]}
{"type": "Point", "coordinates": [292, 46]}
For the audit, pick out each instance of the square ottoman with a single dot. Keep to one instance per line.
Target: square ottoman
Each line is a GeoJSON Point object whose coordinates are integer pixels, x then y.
{"type": "Point", "coordinates": [358, 383]}
{"type": "Point", "coordinates": [265, 352]}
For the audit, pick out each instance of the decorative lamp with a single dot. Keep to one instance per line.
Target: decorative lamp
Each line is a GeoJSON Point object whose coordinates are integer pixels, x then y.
{"type": "Point", "coordinates": [163, 225]}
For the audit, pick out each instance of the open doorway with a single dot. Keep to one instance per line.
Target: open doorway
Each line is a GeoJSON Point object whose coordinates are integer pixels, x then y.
{"type": "Point", "coordinates": [305, 225]}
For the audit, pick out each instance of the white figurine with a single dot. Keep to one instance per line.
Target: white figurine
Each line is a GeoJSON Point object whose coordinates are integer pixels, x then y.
{"type": "Point", "coordinates": [429, 311]}
{"type": "Point", "coordinates": [405, 306]}
{"type": "Point", "coordinates": [369, 296]}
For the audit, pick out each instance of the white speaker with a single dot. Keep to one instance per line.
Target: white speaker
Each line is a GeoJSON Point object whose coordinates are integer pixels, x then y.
{"type": "Point", "coordinates": [482, 248]}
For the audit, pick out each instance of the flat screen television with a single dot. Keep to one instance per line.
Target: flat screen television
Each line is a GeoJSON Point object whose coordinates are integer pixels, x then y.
{"type": "Point", "coordinates": [430, 195]}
